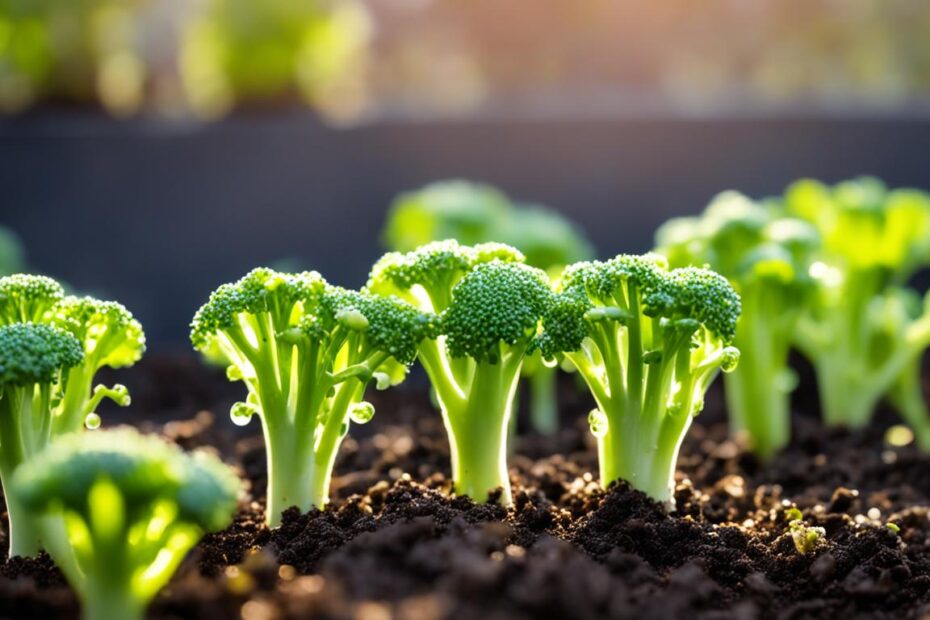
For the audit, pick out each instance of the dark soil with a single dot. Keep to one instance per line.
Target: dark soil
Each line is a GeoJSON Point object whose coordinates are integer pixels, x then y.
{"type": "Point", "coordinates": [395, 545]}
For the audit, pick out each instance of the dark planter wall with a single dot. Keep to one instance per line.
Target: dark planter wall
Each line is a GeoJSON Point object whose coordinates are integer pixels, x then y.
{"type": "Point", "coordinates": [156, 215]}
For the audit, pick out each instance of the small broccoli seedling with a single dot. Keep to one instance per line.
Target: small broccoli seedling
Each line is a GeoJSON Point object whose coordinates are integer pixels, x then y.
{"type": "Point", "coordinates": [766, 259]}
{"type": "Point", "coordinates": [806, 538]}
{"type": "Point", "coordinates": [306, 351]}
{"type": "Point", "coordinates": [132, 505]}
{"type": "Point", "coordinates": [858, 331]}
{"type": "Point", "coordinates": [489, 305]}
{"type": "Point", "coordinates": [647, 342]}
{"type": "Point", "coordinates": [33, 360]}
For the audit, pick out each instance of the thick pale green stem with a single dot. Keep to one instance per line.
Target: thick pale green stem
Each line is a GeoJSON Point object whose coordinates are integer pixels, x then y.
{"type": "Point", "coordinates": [290, 472]}
{"type": "Point", "coordinates": [478, 432]}
{"type": "Point", "coordinates": [844, 399]}
{"type": "Point", "coordinates": [758, 409]}
{"type": "Point", "coordinates": [544, 412]}
{"type": "Point", "coordinates": [906, 396]}
{"type": "Point", "coordinates": [106, 601]}
{"type": "Point", "coordinates": [24, 534]}
{"type": "Point", "coordinates": [70, 416]}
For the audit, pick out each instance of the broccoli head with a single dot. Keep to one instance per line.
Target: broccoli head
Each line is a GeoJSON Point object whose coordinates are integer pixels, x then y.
{"type": "Point", "coordinates": [133, 506]}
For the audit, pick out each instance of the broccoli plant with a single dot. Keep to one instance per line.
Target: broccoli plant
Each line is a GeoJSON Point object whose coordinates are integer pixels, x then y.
{"type": "Point", "coordinates": [647, 341]}
{"type": "Point", "coordinates": [110, 336]}
{"type": "Point", "coordinates": [489, 306]}
{"type": "Point", "coordinates": [132, 505]}
{"type": "Point", "coordinates": [858, 332]}
{"type": "Point", "coordinates": [473, 213]}
{"type": "Point", "coordinates": [108, 333]}
{"type": "Point", "coordinates": [766, 259]}
{"type": "Point", "coordinates": [33, 360]}
{"type": "Point", "coordinates": [306, 351]}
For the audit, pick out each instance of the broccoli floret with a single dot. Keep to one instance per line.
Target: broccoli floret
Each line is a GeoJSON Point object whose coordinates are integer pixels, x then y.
{"type": "Point", "coordinates": [856, 332]}
{"type": "Point", "coordinates": [472, 213]}
{"type": "Point", "coordinates": [647, 341]}
{"type": "Point", "coordinates": [110, 337]}
{"type": "Point", "coordinates": [489, 306]}
{"type": "Point", "coordinates": [27, 298]}
{"type": "Point", "coordinates": [33, 360]}
{"type": "Point", "coordinates": [133, 506]}
{"type": "Point", "coordinates": [306, 351]}
{"type": "Point", "coordinates": [766, 258]}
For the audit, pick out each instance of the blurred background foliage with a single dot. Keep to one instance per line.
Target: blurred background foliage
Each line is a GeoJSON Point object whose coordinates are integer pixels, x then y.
{"type": "Point", "coordinates": [350, 59]}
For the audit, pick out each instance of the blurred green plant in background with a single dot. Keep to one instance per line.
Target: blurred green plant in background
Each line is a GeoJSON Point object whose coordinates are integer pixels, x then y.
{"type": "Point", "coordinates": [12, 254]}
{"type": "Point", "coordinates": [347, 58]}
{"type": "Point", "coordinates": [249, 51]}
{"type": "Point", "coordinates": [75, 50]}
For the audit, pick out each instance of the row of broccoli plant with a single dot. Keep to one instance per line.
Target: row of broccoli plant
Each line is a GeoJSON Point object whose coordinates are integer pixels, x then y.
{"type": "Point", "coordinates": [823, 270]}
{"type": "Point", "coordinates": [117, 511]}
{"type": "Point", "coordinates": [646, 339]}
{"type": "Point", "coordinates": [473, 213]}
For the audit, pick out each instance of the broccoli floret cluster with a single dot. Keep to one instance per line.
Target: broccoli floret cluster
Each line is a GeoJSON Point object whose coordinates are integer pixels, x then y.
{"type": "Point", "coordinates": [475, 214]}
{"type": "Point", "coordinates": [647, 341]}
{"type": "Point", "coordinates": [306, 350]}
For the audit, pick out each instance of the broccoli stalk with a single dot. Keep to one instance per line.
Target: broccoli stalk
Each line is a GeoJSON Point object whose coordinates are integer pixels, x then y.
{"type": "Point", "coordinates": [33, 359]}
{"type": "Point", "coordinates": [133, 506]}
{"type": "Point", "coordinates": [305, 351]}
{"type": "Point", "coordinates": [647, 342]}
{"type": "Point", "coordinates": [489, 305]}
{"type": "Point", "coordinates": [766, 259]}
{"type": "Point", "coordinates": [860, 331]}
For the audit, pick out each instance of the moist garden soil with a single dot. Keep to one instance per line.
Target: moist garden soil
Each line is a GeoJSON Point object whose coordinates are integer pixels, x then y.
{"type": "Point", "coordinates": [393, 544]}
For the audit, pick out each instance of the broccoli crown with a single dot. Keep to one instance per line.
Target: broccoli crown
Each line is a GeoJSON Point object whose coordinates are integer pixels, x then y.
{"type": "Point", "coordinates": [31, 354]}
{"type": "Point", "coordinates": [439, 264]}
{"type": "Point", "coordinates": [390, 325]}
{"type": "Point", "coordinates": [742, 240]}
{"type": "Point", "coordinates": [144, 468]}
{"type": "Point", "coordinates": [260, 291]}
{"type": "Point", "coordinates": [26, 298]}
{"type": "Point", "coordinates": [701, 295]}
{"type": "Point", "coordinates": [495, 303]}
{"type": "Point", "coordinates": [465, 211]}
{"type": "Point", "coordinates": [109, 333]}
{"type": "Point", "coordinates": [682, 295]}
{"type": "Point", "coordinates": [864, 225]}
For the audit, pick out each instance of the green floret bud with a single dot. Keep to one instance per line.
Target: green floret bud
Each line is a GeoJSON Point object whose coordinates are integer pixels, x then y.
{"type": "Point", "coordinates": [496, 303]}
{"type": "Point", "coordinates": [35, 354]}
{"type": "Point", "coordinates": [434, 269]}
{"type": "Point", "coordinates": [260, 291]}
{"type": "Point", "coordinates": [26, 298]}
{"type": "Point", "coordinates": [108, 331]}
{"type": "Point", "coordinates": [132, 506]}
{"type": "Point", "coordinates": [704, 296]}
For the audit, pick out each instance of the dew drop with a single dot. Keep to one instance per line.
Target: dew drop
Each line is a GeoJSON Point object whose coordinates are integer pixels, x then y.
{"type": "Point", "coordinates": [92, 421]}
